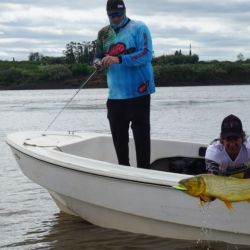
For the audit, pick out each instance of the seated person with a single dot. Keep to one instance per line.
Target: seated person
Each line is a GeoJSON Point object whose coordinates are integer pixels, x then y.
{"type": "Point", "coordinates": [230, 154]}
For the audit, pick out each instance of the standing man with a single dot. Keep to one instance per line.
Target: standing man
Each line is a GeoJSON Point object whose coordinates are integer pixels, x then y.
{"type": "Point", "coordinates": [124, 48]}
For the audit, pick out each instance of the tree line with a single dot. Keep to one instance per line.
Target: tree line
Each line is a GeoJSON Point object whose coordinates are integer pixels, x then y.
{"type": "Point", "coordinates": [74, 53]}
{"type": "Point", "coordinates": [67, 71]}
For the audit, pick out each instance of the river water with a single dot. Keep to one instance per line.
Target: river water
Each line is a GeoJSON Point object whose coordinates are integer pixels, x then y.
{"type": "Point", "coordinates": [29, 219]}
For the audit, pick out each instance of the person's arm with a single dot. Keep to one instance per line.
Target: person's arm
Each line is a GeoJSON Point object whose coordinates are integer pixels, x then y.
{"type": "Point", "coordinates": [143, 53]}
{"type": "Point", "coordinates": [212, 157]}
{"type": "Point", "coordinates": [99, 54]}
{"type": "Point", "coordinates": [238, 168]}
{"type": "Point", "coordinates": [212, 167]}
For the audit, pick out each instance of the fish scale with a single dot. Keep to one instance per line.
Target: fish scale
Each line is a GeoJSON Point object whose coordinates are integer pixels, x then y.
{"type": "Point", "coordinates": [227, 189]}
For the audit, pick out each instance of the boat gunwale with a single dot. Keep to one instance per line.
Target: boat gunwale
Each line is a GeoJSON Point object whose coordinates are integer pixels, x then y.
{"type": "Point", "coordinates": [99, 175]}
{"type": "Point", "coordinates": [159, 178]}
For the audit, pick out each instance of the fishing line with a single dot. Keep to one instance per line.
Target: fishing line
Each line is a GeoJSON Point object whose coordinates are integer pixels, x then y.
{"type": "Point", "coordinates": [70, 100]}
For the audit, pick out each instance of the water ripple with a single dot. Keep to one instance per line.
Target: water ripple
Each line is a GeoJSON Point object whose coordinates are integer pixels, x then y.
{"type": "Point", "coordinates": [29, 217]}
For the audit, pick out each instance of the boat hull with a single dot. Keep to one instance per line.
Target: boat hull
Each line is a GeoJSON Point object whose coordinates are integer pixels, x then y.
{"type": "Point", "coordinates": [136, 206]}
{"type": "Point", "coordinates": [113, 219]}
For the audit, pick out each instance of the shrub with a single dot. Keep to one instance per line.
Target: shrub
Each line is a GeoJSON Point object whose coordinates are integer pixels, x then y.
{"type": "Point", "coordinates": [80, 69]}
{"type": "Point", "coordinates": [55, 72]}
{"type": "Point", "coordinates": [13, 75]}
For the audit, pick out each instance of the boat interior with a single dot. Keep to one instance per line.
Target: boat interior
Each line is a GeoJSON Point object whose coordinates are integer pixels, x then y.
{"type": "Point", "coordinates": [167, 156]}
{"type": "Point", "coordinates": [181, 165]}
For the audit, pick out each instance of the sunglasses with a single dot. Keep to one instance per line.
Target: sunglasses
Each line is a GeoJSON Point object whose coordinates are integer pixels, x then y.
{"type": "Point", "coordinates": [116, 14]}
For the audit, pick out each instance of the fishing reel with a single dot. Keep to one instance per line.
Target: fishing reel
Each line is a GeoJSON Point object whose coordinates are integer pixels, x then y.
{"type": "Point", "coordinates": [97, 64]}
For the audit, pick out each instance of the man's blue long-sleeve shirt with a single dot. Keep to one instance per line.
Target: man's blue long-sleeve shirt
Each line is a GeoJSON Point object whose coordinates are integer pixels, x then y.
{"type": "Point", "coordinates": [133, 77]}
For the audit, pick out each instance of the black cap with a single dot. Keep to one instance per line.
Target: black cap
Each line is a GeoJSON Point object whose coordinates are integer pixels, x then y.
{"type": "Point", "coordinates": [115, 6]}
{"type": "Point", "coordinates": [231, 126]}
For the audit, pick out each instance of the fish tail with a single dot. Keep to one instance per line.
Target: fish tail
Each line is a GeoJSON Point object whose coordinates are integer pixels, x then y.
{"type": "Point", "coordinates": [228, 204]}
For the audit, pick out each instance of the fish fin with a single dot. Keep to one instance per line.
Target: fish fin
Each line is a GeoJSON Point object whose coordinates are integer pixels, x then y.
{"type": "Point", "coordinates": [206, 198]}
{"type": "Point", "coordinates": [228, 204]}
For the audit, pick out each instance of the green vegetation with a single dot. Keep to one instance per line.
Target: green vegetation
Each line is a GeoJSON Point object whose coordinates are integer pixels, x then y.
{"type": "Point", "coordinates": [70, 70]}
{"type": "Point", "coordinates": [203, 73]}
{"type": "Point", "coordinates": [40, 75]}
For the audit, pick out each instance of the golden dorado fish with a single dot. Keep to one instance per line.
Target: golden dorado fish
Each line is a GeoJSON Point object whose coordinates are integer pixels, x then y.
{"type": "Point", "coordinates": [208, 187]}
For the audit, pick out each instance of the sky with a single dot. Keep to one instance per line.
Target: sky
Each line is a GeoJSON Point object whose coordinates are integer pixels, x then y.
{"type": "Point", "coordinates": [216, 29]}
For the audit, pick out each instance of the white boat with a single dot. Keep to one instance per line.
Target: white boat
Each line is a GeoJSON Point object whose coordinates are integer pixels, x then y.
{"type": "Point", "coordinates": [81, 173]}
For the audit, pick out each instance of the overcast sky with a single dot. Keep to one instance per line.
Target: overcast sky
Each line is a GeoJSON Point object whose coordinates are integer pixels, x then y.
{"type": "Point", "coordinates": [216, 29]}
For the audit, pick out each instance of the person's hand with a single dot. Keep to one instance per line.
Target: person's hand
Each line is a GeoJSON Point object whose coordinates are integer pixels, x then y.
{"type": "Point", "coordinates": [107, 61]}
{"type": "Point", "coordinates": [98, 64]}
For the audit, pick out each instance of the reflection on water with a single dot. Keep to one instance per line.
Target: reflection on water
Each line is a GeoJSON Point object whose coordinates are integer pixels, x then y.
{"type": "Point", "coordinates": [69, 232]}
{"type": "Point", "coordinates": [29, 218]}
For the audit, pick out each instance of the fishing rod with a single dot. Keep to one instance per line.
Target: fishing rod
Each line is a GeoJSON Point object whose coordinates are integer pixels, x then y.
{"type": "Point", "coordinates": [70, 100]}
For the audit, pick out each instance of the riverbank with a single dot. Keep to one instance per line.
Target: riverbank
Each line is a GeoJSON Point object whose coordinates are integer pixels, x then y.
{"type": "Point", "coordinates": [35, 75]}
{"type": "Point", "coordinates": [76, 83]}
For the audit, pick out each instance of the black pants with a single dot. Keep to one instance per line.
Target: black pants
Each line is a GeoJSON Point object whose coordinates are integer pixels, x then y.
{"type": "Point", "coordinates": [137, 112]}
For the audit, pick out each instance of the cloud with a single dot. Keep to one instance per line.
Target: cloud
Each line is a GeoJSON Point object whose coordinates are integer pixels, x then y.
{"type": "Point", "coordinates": [216, 29]}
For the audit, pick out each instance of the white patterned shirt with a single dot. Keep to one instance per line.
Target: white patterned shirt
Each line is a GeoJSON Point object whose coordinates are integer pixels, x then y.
{"type": "Point", "coordinates": [219, 162]}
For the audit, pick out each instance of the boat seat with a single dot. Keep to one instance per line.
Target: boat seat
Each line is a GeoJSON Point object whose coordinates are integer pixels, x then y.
{"type": "Point", "coordinates": [202, 151]}
{"type": "Point", "coordinates": [180, 164]}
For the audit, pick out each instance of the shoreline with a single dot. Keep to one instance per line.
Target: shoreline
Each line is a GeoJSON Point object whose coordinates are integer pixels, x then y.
{"type": "Point", "coordinates": [38, 75]}
{"type": "Point", "coordinates": [100, 85]}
